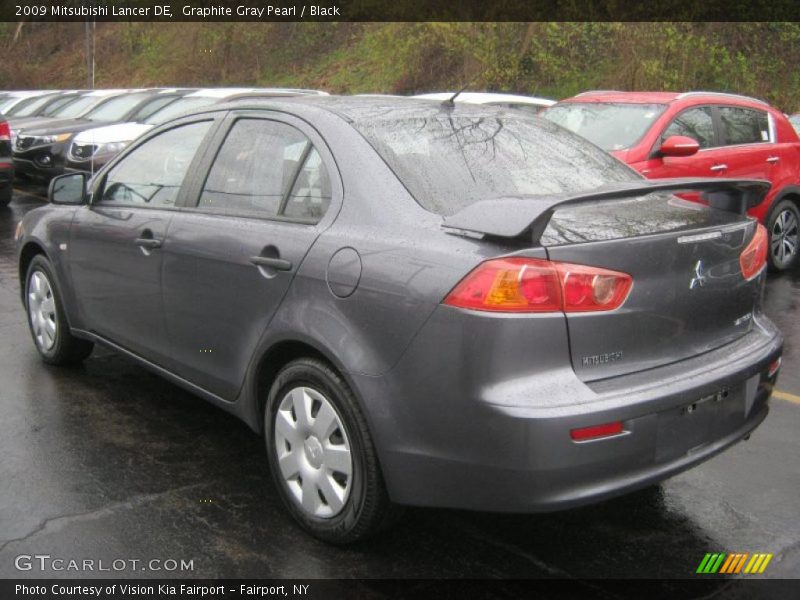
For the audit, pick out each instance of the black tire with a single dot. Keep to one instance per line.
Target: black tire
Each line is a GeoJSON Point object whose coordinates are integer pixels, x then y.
{"type": "Point", "coordinates": [5, 196]}
{"type": "Point", "coordinates": [367, 509]}
{"type": "Point", "coordinates": [66, 349]}
{"type": "Point", "coordinates": [779, 213]}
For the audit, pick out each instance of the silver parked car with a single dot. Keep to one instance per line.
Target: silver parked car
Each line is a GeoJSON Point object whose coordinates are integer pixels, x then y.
{"type": "Point", "coordinates": [416, 304]}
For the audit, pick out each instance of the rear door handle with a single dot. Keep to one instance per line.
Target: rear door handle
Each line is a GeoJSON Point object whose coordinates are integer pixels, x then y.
{"type": "Point", "coordinates": [773, 159]}
{"type": "Point", "coordinates": [719, 167]}
{"type": "Point", "coordinates": [148, 243]}
{"type": "Point", "coordinates": [279, 264]}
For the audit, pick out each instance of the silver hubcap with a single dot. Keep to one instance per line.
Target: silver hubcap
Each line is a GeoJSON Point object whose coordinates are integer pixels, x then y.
{"type": "Point", "coordinates": [783, 243]}
{"type": "Point", "coordinates": [313, 452]}
{"type": "Point", "coordinates": [42, 311]}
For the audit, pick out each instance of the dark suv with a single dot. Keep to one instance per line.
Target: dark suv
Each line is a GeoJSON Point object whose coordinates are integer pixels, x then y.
{"type": "Point", "coordinates": [6, 165]}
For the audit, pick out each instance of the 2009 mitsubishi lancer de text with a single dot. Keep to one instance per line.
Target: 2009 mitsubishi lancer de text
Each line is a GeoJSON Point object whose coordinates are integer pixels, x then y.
{"type": "Point", "coordinates": [416, 303]}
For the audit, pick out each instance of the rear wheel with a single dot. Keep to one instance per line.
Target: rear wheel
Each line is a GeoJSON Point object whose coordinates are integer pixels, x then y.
{"type": "Point", "coordinates": [5, 196]}
{"type": "Point", "coordinates": [46, 318]}
{"type": "Point", "coordinates": [784, 235]}
{"type": "Point", "coordinates": [322, 456]}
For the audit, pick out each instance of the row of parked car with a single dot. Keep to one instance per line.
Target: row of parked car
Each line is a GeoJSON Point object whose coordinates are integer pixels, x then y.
{"type": "Point", "coordinates": [659, 134]}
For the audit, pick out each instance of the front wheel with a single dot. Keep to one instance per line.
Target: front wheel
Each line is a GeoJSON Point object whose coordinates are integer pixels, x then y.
{"type": "Point", "coordinates": [322, 456]}
{"type": "Point", "coordinates": [47, 320]}
{"type": "Point", "coordinates": [784, 235]}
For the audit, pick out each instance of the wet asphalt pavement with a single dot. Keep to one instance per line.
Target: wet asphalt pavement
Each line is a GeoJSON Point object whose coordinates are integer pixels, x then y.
{"type": "Point", "coordinates": [108, 461]}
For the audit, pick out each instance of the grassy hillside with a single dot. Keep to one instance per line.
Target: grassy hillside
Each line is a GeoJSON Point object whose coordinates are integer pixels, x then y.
{"type": "Point", "coordinates": [549, 59]}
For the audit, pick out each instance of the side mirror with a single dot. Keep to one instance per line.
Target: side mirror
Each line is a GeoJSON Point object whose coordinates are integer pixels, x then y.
{"type": "Point", "coordinates": [68, 189]}
{"type": "Point", "coordinates": [679, 145]}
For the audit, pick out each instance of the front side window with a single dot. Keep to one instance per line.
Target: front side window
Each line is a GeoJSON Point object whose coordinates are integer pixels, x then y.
{"type": "Point", "coordinates": [610, 125]}
{"type": "Point", "coordinates": [695, 123]}
{"type": "Point", "coordinates": [152, 174]}
{"type": "Point", "coordinates": [744, 125]}
{"type": "Point", "coordinates": [267, 169]}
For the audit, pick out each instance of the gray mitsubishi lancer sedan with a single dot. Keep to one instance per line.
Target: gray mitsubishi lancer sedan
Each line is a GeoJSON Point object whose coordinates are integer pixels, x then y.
{"type": "Point", "coordinates": [415, 302]}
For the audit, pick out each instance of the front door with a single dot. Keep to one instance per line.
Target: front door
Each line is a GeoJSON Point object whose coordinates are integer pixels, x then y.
{"type": "Point", "coordinates": [117, 242]}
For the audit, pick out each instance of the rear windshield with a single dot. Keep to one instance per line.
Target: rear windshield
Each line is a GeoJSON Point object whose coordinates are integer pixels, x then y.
{"type": "Point", "coordinates": [448, 163]}
{"type": "Point", "coordinates": [612, 126]}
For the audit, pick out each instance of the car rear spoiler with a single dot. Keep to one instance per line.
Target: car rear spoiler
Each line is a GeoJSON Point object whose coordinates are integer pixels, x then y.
{"type": "Point", "coordinates": [518, 216]}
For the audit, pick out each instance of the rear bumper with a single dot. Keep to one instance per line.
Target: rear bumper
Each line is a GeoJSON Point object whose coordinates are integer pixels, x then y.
{"type": "Point", "coordinates": [506, 446]}
{"type": "Point", "coordinates": [6, 174]}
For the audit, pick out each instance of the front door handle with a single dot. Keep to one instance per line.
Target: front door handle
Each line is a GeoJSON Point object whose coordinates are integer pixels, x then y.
{"type": "Point", "coordinates": [148, 243]}
{"type": "Point", "coordinates": [279, 264]}
{"type": "Point", "coordinates": [719, 167]}
{"type": "Point", "coordinates": [773, 159]}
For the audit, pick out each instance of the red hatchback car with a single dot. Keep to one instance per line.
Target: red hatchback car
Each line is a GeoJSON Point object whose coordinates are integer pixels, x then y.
{"type": "Point", "coordinates": [700, 134]}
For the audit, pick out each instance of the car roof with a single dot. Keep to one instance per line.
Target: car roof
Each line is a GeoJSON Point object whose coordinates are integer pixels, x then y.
{"type": "Point", "coordinates": [488, 98]}
{"type": "Point", "coordinates": [661, 97]}
{"type": "Point", "coordinates": [357, 108]}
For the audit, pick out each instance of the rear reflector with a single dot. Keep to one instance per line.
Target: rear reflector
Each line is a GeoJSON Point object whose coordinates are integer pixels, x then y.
{"type": "Point", "coordinates": [596, 431]}
{"type": "Point", "coordinates": [773, 368]}
{"type": "Point", "coordinates": [536, 285]}
{"type": "Point", "coordinates": [5, 131]}
{"type": "Point", "coordinates": [754, 257]}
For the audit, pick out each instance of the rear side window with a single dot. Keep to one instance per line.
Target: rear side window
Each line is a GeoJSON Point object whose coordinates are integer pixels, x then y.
{"type": "Point", "coordinates": [267, 169]}
{"type": "Point", "coordinates": [152, 174]}
{"type": "Point", "coordinates": [449, 162]}
{"type": "Point", "coordinates": [695, 123]}
{"type": "Point", "coordinates": [744, 125]}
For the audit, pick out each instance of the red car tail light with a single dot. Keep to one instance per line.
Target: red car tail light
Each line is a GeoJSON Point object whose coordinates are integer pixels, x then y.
{"type": "Point", "coordinates": [754, 258]}
{"type": "Point", "coordinates": [596, 431]}
{"type": "Point", "coordinates": [537, 285]}
{"type": "Point", "coordinates": [5, 131]}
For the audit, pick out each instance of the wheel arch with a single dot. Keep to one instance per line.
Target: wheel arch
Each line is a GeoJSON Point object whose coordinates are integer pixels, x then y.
{"type": "Point", "coordinates": [30, 250]}
{"type": "Point", "coordinates": [271, 360]}
{"type": "Point", "coordinates": [790, 192]}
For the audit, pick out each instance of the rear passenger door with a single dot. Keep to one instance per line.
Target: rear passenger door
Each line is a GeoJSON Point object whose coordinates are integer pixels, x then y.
{"type": "Point", "coordinates": [748, 139]}
{"type": "Point", "coordinates": [234, 252]}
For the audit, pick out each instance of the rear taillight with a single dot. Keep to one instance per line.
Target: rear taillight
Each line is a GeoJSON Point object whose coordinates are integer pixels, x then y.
{"type": "Point", "coordinates": [754, 258]}
{"type": "Point", "coordinates": [5, 131]}
{"type": "Point", "coordinates": [774, 367]}
{"type": "Point", "coordinates": [536, 285]}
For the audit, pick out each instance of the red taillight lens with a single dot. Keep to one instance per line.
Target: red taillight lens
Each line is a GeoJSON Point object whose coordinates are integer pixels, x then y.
{"type": "Point", "coordinates": [596, 431]}
{"type": "Point", "coordinates": [754, 257]}
{"type": "Point", "coordinates": [5, 131]}
{"type": "Point", "coordinates": [536, 285]}
{"type": "Point", "coordinates": [592, 289]}
{"type": "Point", "coordinates": [774, 367]}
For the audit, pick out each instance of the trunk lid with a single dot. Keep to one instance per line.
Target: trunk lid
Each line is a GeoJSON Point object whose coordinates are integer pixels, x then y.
{"type": "Point", "coordinates": [688, 295]}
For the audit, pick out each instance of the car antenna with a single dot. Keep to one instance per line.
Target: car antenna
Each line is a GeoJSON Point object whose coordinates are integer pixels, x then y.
{"type": "Point", "coordinates": [451, 101]}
